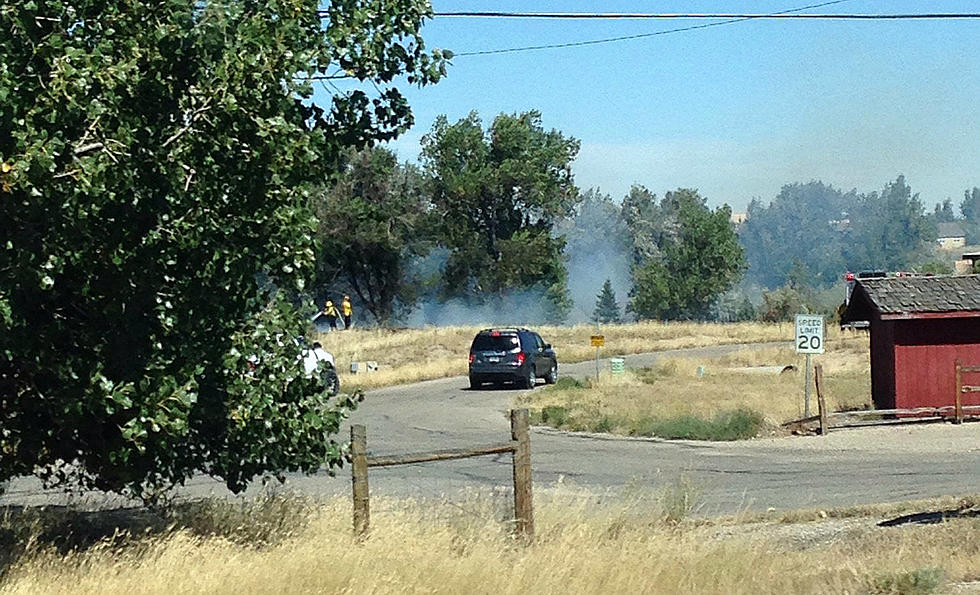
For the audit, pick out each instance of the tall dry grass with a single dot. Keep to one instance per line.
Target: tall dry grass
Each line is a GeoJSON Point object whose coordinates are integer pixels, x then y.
{"type": "Point", "coordinates": [412, 355]}
{"type": "Point", "coordinates": [683, 386]}
{"type": "Point", "coordinates": [584, 545]}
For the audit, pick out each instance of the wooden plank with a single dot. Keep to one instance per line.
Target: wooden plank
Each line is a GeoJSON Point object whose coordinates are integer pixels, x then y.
{"type": "Point", "coordinates": [937, 411]}
{"type": "Point", "coordinates": [523, 504]}
{"type": "Point", "coordinates": [821, 404]}
{"type": "Point", "coordinates": [802, 421]}
{"type": "Point", "coordinates": [359, 480]}
{"type": "Point", "coordinates": [440, 455]}
{"type": "Point", "coordinates": [959, 392]}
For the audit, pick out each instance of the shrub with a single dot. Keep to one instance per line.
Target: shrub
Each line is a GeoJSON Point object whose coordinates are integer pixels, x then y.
{"type": "Point", "coordinates": [737, 424]}
{"type": "Point", "coordinates": [680, 499]}
{"type": "Point", "coordinates": [554, 415]}
{"type": "Point", "coordinates": [567, 383]}
{"type": "Point", "coordinates": [604, 424]}
{"type": "Point", "coordinates": [914, 582]}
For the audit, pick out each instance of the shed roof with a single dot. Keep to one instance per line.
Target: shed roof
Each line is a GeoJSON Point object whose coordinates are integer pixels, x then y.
{"type": "Point", "coordinates": [916, 297]}
{"type": "Point", "coordinates": [950, 230]}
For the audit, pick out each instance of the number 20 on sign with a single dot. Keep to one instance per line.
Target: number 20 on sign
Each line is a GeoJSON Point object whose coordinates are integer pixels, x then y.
{"type": "Point", "coordinates": [809, 334]}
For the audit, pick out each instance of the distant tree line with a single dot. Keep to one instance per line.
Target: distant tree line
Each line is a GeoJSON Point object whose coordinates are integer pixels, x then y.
{"type": "Point", "coordinates": [818, 232]}
{"type": "Point", "coordinates": [494, 211]}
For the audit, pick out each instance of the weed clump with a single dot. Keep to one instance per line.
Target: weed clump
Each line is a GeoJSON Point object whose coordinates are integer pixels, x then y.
{"type": "Point", "coordinates": [554, 415]}
{"type": "Point", "coordinates": [737, 424]}
{"type": "Point", "coordinates": [920, 581]}
{"type": "Point", "coordinates": [566, 382]}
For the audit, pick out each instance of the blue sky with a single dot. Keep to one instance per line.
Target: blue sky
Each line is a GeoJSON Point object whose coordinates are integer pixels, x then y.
{"type": "Point", "coordinates": [736, 110]}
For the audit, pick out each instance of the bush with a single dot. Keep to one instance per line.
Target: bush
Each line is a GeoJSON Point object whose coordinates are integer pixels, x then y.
{"type": "Point", "coordinates": [738, 424]}
{"type": "Point", "coordinates": [604, 424]}
{"type": "Point", "coordinates": [554, 415]}
{"type": "Point", "coordinates": [679, 500]}
{"type": "Point", "coordinates": [565, 383]}
{"type": "Point", "coordinates": [915, 582]}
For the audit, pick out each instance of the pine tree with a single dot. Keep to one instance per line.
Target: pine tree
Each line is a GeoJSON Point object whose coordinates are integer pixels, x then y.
{"type": "Point", "coordinates": [606, 308]}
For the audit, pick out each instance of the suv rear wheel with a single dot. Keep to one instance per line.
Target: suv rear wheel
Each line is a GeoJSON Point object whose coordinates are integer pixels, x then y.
{"type": "Point", "coordinates": [552, 376]}
{"type": "Point", "coordinates": [530, 379]}
{"type": "Point", "coordinates": [475, 382]}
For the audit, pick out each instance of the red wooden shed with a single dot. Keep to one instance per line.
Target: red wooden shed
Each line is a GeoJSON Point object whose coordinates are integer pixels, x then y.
{"type": "Point", "coordinates": [919, 327]}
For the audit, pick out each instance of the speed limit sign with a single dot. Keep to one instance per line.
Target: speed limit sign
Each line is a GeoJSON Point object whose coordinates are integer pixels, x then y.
{"type": "Point", "coordinates": [809, 333]}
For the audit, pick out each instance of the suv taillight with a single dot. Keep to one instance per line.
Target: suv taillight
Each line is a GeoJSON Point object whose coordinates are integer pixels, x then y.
{"type": "Point", "coordinates": [472, 357]}
{"type": "Point", "coordinates": [520, 358]}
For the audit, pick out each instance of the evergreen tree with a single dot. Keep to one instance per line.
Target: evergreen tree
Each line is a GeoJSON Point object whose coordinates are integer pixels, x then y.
{"type": "Point", "coordinates": [606, 308]}
{"type": "Point", "coordinates": [688, 255]}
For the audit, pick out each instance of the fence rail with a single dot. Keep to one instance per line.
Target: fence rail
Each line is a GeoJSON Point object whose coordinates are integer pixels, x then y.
{"type": "Point", "coordinates": [519, 446]}
{"type": "Point", "coordinates": [957, 410]}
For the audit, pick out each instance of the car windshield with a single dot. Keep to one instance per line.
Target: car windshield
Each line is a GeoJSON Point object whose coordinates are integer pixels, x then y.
{"type": "Point", "coordinates": [495, 343]}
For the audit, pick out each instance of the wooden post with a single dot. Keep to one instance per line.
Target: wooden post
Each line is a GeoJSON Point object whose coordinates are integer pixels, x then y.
{"type": "Point", "coordinates": [821, 403]}
{"type": "Point", "coordinates": [359, 480]}
{"type": "Point", "coordinates": [959, 392]}
{"type": "Point", "coordinates": [523, 507]}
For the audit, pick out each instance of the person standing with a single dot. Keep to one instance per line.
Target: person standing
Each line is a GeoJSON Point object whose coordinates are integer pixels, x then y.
{"type": "Point", "coordinates": [330, 311]}
{"type": "Point", "coordinates": [347, 310]}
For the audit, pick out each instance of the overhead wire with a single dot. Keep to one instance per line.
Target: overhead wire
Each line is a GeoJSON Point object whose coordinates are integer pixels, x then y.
{"type": "Point", "coordinates": [705, 15]}
{"type": "Point", "coordinates": [729, 18]}
{"type": "Point", "coordinates": [570, 44]}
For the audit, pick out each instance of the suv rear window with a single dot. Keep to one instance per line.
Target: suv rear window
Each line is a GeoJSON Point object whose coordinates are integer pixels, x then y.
{"type": "Point", "coordinates": [492, 343]}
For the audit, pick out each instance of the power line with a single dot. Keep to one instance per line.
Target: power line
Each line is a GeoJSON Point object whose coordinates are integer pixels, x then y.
{"type": "Point", "coordinates": [572, 44]}
{"type": "Point", "coordinates": [705, 15]}
{"type": "Point", "coordinates": [323, 13]}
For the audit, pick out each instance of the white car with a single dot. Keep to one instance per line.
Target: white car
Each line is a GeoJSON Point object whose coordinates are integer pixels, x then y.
{"type": "Point", "coordinates": [316, 360]}
{"type": "Point", "coordinates": [312, 359]}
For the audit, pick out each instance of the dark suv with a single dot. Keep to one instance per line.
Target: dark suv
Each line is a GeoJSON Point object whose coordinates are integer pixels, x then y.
{"type": "Point", "coordinates": [511, 355]}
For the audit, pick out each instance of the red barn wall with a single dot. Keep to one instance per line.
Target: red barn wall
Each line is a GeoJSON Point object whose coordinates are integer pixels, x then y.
{"type": "Point", "coordinates": [924, 355]}
{"type": "Point", "coordinates": [883, 363]}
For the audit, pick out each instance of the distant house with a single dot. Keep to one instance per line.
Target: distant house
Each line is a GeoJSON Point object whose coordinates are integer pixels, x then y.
{"type": "Point", "coordinates": [951, 236]}
{"type": "Point", "coordinates": [739, 218]}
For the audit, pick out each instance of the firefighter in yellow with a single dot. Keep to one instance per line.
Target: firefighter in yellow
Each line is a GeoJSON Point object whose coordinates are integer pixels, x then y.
{"type": "Point", "coordinates": [330, 311]}
{"type": "Point", "coordinates": [347, 310]}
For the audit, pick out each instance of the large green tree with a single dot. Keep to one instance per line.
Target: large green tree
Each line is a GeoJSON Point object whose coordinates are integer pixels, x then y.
{"type": "Point", "coordinates": [891, 230]}
{"type": "Point", "coordinates": [498, 193]}
{"type": "Point", "coordinates": [157, 164]}
{"type": "Point", "coordinates": [693, 259]}
{"type": "Point", "coordinates": [806, 224]}
{"type": "Point", "coordinates": [373, 220]}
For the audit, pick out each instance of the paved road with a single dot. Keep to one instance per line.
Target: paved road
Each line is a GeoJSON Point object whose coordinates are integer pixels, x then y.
{"type": "Point", "coordinates": [845, 468]}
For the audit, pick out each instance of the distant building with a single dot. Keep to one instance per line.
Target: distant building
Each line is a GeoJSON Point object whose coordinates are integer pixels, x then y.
{"type": "Point", "coordinates": [951, 236]}
{"type": "Point", "coordinates": [739, 218]}
{"type": "Point", "coordinates": [920, 327]}
{"type": "Point", "coordinates": [965, 265]}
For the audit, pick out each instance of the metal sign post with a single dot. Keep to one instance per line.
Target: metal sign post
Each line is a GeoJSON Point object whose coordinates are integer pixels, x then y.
{"type": "Point", "coordinates": [808, 340]}
{"type": "Point", "coordinates": [597, 341]}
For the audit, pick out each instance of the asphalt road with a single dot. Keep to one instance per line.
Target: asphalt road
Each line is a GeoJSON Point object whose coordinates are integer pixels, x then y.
{"type": "Point", "coordinates": [848, 467]}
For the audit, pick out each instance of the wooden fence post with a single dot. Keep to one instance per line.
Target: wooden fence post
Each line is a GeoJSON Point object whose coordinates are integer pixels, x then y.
{"type": "Point", "coordinates": [821, 403]}
{"type": "Point", "coordinates": [359, 480]}
{"type": "Point", "coordinates": [959, 392]}
{"type": "Point", "coordinates": [523, 507]}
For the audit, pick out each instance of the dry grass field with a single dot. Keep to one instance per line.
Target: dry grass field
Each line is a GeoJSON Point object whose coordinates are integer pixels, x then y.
{"type": "Point", "coordinates": [685, 390]}
{"type": "Point", "coordinates": [412, 355]}
{"type": "Point", "coordinates": [630, 543]}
